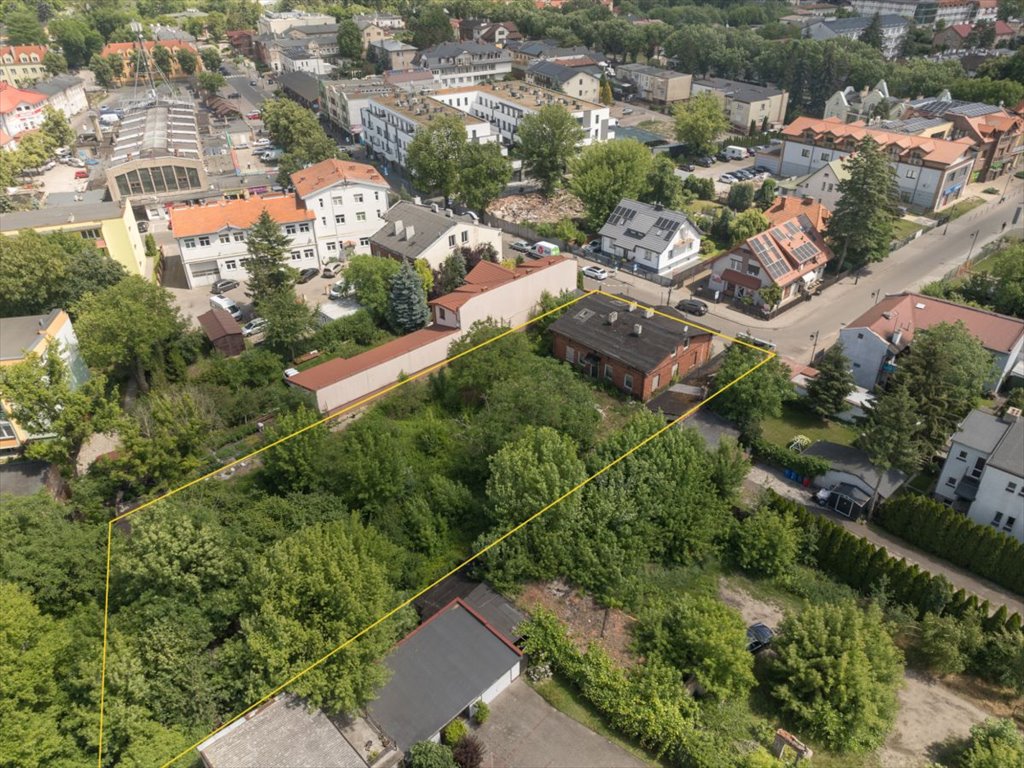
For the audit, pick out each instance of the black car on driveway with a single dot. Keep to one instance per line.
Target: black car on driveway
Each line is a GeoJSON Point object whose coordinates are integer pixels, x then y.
{"type": "Point", "coordinates": [308, 274]}
{"type": "Point", "coordinates": [223, 286]}
{"type": "Point", "coordinates": [692, 307]}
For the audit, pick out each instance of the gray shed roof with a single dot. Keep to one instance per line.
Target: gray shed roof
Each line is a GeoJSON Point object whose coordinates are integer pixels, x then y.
{"type": "Point", "coordinates": [493, 607]}
{"type": "Point", "coordinates": [436, 56]}
{"type": "Point", "coordinates": [23, 478]}
{"type": "Point", "coordinates": [1009, 454]}
{"type": "Point", "coordinates": [306, 86]}
{"type": "Point", "coordinates": [853, 461]}
{"type": "Point", "coordinates": [981, 431]}
{"type": "Point", "coordinates": [552, 71]}
{"type": "Point", "coordinates": [18, 334]}
{"type": "Point", "coordinates": [940, 106]}
{"type": "Point", "coordinates": [427, 228]}
{"type": "Point", "coordinates": [439, 670]}
{"type": "Point", "coordinates": [61, 214]}
{"type": "Point", "coordinates": [640, 225]}
{"type": "Point", "coordinates": [281, 734]}
{"type": "Point", "coordinates": [737, 90]}
{"type": "Point", "coordinates": [587, 324]}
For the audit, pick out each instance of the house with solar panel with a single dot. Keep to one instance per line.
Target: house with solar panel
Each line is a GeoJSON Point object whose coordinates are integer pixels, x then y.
{"type": "Point", "coordinates": [790, 254]}
{"type": "Point", "coordinates": [650, 237]}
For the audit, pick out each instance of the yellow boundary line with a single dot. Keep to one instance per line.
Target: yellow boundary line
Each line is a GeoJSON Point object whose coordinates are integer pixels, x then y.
{"type": "Point", "coordinates": [475, 556]}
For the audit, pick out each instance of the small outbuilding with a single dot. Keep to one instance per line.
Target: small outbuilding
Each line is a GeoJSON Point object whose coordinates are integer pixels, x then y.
{"type": "Point", "coordinates": [847, 487]}
{"type": "Point", "coordinates": [223, 331]}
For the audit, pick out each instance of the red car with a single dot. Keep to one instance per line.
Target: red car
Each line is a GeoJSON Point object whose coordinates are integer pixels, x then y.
{"type": "Point", "coordinates": [82, 174]}
{"type": "Point", "coordinates": [253, 116]}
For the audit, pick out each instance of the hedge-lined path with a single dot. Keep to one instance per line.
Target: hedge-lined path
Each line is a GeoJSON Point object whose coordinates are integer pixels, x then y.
{"type": "Point", "coordinates": [761, 476]}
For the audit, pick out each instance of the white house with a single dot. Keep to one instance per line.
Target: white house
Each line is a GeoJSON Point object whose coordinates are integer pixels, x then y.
{"type": "Point", "coordinates": [894, 29]}
{"type": "Point", "coordinates": [984, 471]}
{"type": "Point", "coordinates": [455, 64]}
{"type": "Point", "coordinates": [348, 200]}
{"type": "Point", "coordinates": [411, 231]}
{"type": "Point", "coordinates": [821, 185]}
{"type": "Point", "coordinates": [65, 93]}
{"type": "Point", "coordinates": [650, 237]}
{"type": "Point", "coordinates": [850, 105]}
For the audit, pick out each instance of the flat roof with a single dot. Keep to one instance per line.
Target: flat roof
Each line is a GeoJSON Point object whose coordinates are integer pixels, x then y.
{"type": "Point", "coordinates": [158, 129]}
{"type": "Point", "coordinates": [54, 216]}
{"type": "Point", "coordinates": [420, 109]}
{"type": "Point", "coordinates": [529, 97]}
{"type": "Point", "coordinates": [19, 335]}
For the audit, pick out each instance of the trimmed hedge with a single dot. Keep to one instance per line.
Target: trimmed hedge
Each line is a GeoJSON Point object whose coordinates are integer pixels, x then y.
{"type": "Point", "coordinates": [860, 564]}
{"type": "Point", "coordinates": [784, 458]}
{"type": "Point", "coordinates": [937, 529]}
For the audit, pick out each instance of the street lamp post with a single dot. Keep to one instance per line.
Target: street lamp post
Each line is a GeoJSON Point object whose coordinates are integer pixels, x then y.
{"type": "Point", "coordinates": [875, 296]}
{"type": "Point", "coordinates": [974, 239]}
{"type": "Point", "coordinates": [814, 347]}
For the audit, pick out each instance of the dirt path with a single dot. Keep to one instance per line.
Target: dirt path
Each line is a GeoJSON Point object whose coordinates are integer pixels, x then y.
{"type": "Point", "coordinates": [752, 610]}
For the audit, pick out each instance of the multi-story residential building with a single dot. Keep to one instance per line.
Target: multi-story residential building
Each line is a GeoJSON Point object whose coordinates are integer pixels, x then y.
{"type": "Point", "coordinates": [578, 82]}
{"type": "Point", "coordinates": [412, 231]}
{"type": "Point", "coordinates": [986, 10]}
{"type": "Point", "coordinates": [304, 57]}
{"type": "Point", "coordinates": [20, 110]}
{"type": "Point", "coordinates": [504, 105]}
{"type": "Point", "coordinates": [791, 255]}
{"type": "Point", "coordinates": [930, 173]}
{"type": "Point", "coordinates": [747, 105]}
{"type": "Point", "coordinates": [459, 64]}
{"type": "Point", "coordinates": [894, 29]}
{"type": "Point", "coordinates": [418, 81]}
{"type": "Point", "coordinates": [212, 237]}
{"type": "Point", "coordinates": [128, 58]}
{"type": "Point", "coordinates": [343, 100]}
{"type": "Point", "coordinates": [865, 105]}
{"type": "Point", "coordinates": [997, 134]}
{"type": "Point", "coordinates": [277, 23]}
{"type": "Point", "coordinates": [370, 33]}
{"type": "Point", "coordinates": [983, 475]}
{"type": "Point", "coordinates": [349, 201]}
{"type": "Point", "coordinates": [662, 86]}
{"type": "Point", "coordinates": [65, 93]}
{"type": "Point", "coordinates": [387, 21]}
{"type": "Point", "coordinates": [821, 185]}
{"type": "Point", "coordinates": [875, 340]}
{"type": "Point", "coordinates": [33, 335]}
{"type": "Point", "coordinates": [525, 52]}
{"type": "Point", "coordinates": [391, 53]}
{"type": "Point", "coordinates": [925, 12]}
{"type": "Point", "coordinates": [110, 226]}
{"type": "Point", "coordinates": [650, 237]}
{"type": "Point", "coordinates": [22, 64]}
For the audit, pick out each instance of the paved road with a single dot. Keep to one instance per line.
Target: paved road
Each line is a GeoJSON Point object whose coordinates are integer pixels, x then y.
{"type": "Point", "coordinates": [922, 261]}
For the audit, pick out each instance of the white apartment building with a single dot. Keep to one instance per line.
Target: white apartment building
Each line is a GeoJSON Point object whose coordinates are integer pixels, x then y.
{"type": "Point", "coordinates": [894, 29]}
{"type": "Point", "coordinates": [930, 173]}
{"type": "Point", "coordinates": [390, 121]}
{"type": "Point", "coordinates": [457, 64]}
{"type": "Point", "coordinates": [277, 23]}
{"type": "Point", "coordinates": [343, 101]}
{"type": "Point", "coordinates": [212, 237]}
{"type": "Point", "coordinates": [348, 200]}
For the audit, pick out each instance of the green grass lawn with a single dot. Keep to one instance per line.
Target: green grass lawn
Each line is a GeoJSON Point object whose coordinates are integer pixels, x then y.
{"type": "Point", "coordinates": [904, 228]}
{"type": "Point", "coordinates": [702, 207]}
{"type": "Point", "coordinates": [958, 210]}
{"type": "Point", "coordinates": [797, 421]}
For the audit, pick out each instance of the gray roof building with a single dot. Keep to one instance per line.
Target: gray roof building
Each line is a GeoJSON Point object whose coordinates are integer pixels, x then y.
{"type": "Point", "coordinates": [1008, 454]}
{"type": "Point", "coordinates": [942, 105]}
{"type": "Point", "coordinates": [19, 335]}
{"type": "Point", "coordinates": [981, 430]}
{"type": "Point", "coordinates": [424, 223]}
{"type": "Point", "coordinates": [853, 461]}
{"type": "Point", "coordinates": [57, 84]}
{"type": "Point", "coordinates": [61, 214]}
{"type": "Point", "coordinates": [279, 734]}
{"type": "Point", "coordinates": [440, 670]}
{"type": "Point", "coordinates": [555, 73]}
{"type": "Point", "coordinates": [737, 90]}
{"type": "Point", "coordinates": [494, 608]}
{"type": "Point", "coordinates": [159, 128]}
{"type": "Point", "coordinates": [645, 226]}
{"type": "Point", "coordinates": [860, 23]}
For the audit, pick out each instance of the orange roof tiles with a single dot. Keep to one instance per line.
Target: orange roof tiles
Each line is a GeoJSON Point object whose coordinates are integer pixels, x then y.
{"type": "Point", "coordinates": [785, 208]}
{"type": "Point", "coordinates": [11, 97]}
{"type": "Point", "coordinates": [110, 48]}
{"type": "Point", "coordinates": [486, 275]}
{"type": "Point", "coordinates": [910, 312]}
{"type": "Point", "coordinates": [937, 151]}
{"type": "Point", "coordinates": [329, 172]}
{"type": "Point", "coordinates": [16, 51]}
{"type": "Point", "coordinates": [239, 214]}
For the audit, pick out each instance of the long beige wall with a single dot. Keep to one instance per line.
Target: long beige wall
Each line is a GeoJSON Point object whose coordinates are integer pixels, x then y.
{"type": "Point", "coordinates": [514, 302]}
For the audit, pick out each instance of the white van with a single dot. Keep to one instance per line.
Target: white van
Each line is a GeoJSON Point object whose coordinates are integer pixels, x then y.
{"type": "Point", "coordinates": [542, 249]}
{"type": "Point", "coordinates": [223, 302]}
{"type": "Point", "coordinates": [735, 153]}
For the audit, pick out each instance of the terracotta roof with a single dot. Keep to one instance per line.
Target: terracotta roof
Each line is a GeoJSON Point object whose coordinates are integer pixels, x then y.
{"type": "Point", "coordinates": [1003, 29]}
{"type": "Point", "coordinates": [962, 30]}
{"type": "Point", "coordinates": [933, 150]}
{"type": "Point", "coordinates": [738, 278]}
{"type": "Point", "coordinates": [339, 369]}
{"type": "Point", "coordinates": [16, 51]}
{"type": "Point", "coordinates": [5, 139]}
{"type": "Point", "coordinates": [910, 312]}
{"type": "Point", "coordinates": [11, 97]}
{"type": "Point", "coordinates": [785, 208]}
{"type": "Point", "coordinates": [486, 275]}
{"type": "Point", "coordinates": [110, 48]}
{"type": "Point", "coordinates": [217, 324]}
{"type": "Point", "coordinates": [239, 214]}
{"type": "Point", "coordinates": [330, 172]}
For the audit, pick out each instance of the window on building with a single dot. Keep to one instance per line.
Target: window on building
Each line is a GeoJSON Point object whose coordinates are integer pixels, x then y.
{"type": "Point", "coordinates": [94, 234]}
{"type": "Point", "coordinates": [224, 237]}
{"type": "Point", "coordinates": [860, 335]}
{"type": "Point", "coordinates": [1011, 487]}
{"type": "Point", "coordinates": [289, 229]}
{"type": "Point", "coordinates": [339, 219]}
{"type": "Point", "coordinates": [570, 354]}
{"type": "Point", "coordinates": [962, 456]}
{"type": "Point", "coordinates": [911, 173]}
{"type": "Point", "coordinates": [238, 236]}
{"type": "Point", "coordinates": [753, 269]}
{"type": "Point", "coordinates": [465, 236]}
{"type": "Point", "coordinates": [230, 264]}
{"type": "Point", "coordinates": [805, 153]}
{"type": "Point", "coordinates": [1009, 523]}
{"type": "Point", "coordinates": [358, 198]}
{"type": "Point", "coordinates": [675, 370]}
{"type": "Point", "coordinates": [608, 372]}
{"type": "Point", "coordinates": [204, 240]}
{"type": "Point", "coordinates": [296, 255]}
{"type": "Point", "coordinates": [979, 465]}
{"type": "Point", "coordinates": [304, 227]}
{"type": "Point", "coordinates": [380, 214]}
{"type": "Point", "coordinates": [321, 201]}
{"type": "Point", "coordinates": [338, 200]}
{"type": "Point", "coordinates": [309, 253]}
{"type": "Point", "coordinates": [997, 519]}
{"type": "Point", "coordinates": [332, 246]}
{"type": "Point", "coordinates": [361, 216]}
{"type": "Point", "coordinates": [655, 382]}
{"type": "Point", "coordinates": [451, 241]}
{"type": "Point", "coordinates": [363, 242]}
{"type": "Point", "coordinates": [376, 195]}
{"type": "Point", "coordinates": [951, 482]}
{"type": "Point", "coordinates": [627, 382]}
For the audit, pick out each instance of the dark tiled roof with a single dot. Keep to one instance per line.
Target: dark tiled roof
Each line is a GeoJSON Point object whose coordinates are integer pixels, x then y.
{"type": "Point", "coordinates": [1009, 454]}
{"type": "Point", "coordinates": [427, 226]}
{"type": "Point", "coordinates": [587, 324]}
{"type": "Point", "coordinates": [634, 225]}
{"type": "Point", "coordinates": [217, 324]}
{"type": "Point", "coordinates": [853, 461]}
{"type": "Point", "coordinates": [493, 607]}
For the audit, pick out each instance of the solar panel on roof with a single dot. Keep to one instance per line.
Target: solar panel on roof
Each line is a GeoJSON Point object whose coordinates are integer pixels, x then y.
{"type": "Point", "coordinates": [770, 256]}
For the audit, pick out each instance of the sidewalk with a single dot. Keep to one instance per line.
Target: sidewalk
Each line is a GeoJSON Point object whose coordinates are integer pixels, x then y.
{"type": "Point", "coordinates": [766, 477]}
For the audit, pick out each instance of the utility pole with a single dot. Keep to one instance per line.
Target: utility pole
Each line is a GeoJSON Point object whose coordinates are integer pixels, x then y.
{"type": "Point", "coordinates": [814, 347]}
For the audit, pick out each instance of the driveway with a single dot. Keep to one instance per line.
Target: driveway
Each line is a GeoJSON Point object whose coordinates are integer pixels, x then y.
{"type": "Point", "coordinates": [524, 731]}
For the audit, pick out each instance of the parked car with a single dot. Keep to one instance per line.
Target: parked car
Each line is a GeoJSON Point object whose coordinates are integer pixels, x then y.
{"type": "Point", "coordinates": [253, 116]}
{"type": "Point", "coordinates": [759, 637]}
{"type": "Point", "coordinates": [223, 286]}
{"type": "Point", "coordinates": [594, 246]}
{"type": "Point", "coordinates": [692, 307]}
{"type": "Point", "coordinates": [595, 273]}
{"type": "Point", "coordinates": [520, 245]}
{"type": "Point", "coordinates": [81, 174]}
{"type": "Point", "coordinates": [722, 157]}
{"type": "Point", "coordinates": [763, 169]}
{"type": "Point", "coordinates": [75, 162]}
{"type": "Point", "coordinates": [260, 143]}
{"type": "Point", "coordinates": [308, 274]}
{"type": "Point", "coordinates": [687, 167]}
{"type": "Point", "coordinates": [332, 270]}
{"type": "Point", "coordinates": [253, 83]}
{"type": "Point", "coordinates": [234, 95]}
{"type": "Point", "coordinates": [627, 111]}
{"type": "Point", "coordinates": [338, 291]}
{"type": "Point", "coordinates": [143, 226]}
{"type": "Point", "coordinates": [254, 326]}
{"type": "Point", "coordinates": [705, 162]}
{"type": "Point", "coordinates": [727, 178]}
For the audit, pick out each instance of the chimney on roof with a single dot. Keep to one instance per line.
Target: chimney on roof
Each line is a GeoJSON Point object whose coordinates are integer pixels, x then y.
{"type": "Point", "coordinates": [448, 212]}
{"type": "Point", "coordinates": [417, 200]}
{"type": "Point", "coordinates": [648, 313]}
{"type": "Point", "coordinates": [637, 329]}
{"type": "Point", "coordinates": [399, 228]}
{"type": "Point", "coordinates": [1010, 415]}
{"type": "Point", "coordinates": [612, 317]}
{"type": "Point", "coordinates": [409, 232]}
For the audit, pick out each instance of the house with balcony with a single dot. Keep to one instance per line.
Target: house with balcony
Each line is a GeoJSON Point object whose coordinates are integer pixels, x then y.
{"type": "Point", "coordinates": [458, 64]}
{"type": "Point", "coordinates": [127, 52]}
{"type": "Point", "coordinates": [750, 107]}
{"type": "Point", "coordinates": [983, 475]}
{"type": "Point", "coordinates": [875, 341]}
{"type": "Point", "coordinates": [650, 237]}
{"type": "Point", "coordinates": [865, 105]}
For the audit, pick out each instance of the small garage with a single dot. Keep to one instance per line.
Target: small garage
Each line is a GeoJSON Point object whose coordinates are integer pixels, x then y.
{"type": "Point", "coordinates": [851, 479]}
{"type": "Point", "coordinates": [223, 331]}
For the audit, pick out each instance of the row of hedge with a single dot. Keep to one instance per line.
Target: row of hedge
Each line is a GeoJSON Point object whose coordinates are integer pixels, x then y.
{"type": "Point", "coordinates": [937, 529]}
{"type": "Point", "coordinates": [865, 567]}
{"type": "Point", "coordinates": [784, 458]}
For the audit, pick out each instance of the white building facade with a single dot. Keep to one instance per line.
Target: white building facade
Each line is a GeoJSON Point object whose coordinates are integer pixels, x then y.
{"type": "Point", "coordinates": [457, 64]}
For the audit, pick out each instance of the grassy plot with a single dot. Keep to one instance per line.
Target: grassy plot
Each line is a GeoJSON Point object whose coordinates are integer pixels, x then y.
{"type": "Point", "coordinates": [798, 421]}
{"type": "Point", "coordinates": [904, 228]}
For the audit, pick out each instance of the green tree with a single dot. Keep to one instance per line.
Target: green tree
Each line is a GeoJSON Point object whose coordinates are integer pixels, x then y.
{"type": "Point", "coordinates": [23, 27]}
{"type": "Point", "coordinates": [546, 141]}
{"type": "Point", "coordinates": [827, 392]}
{"type": "Point", "coordinates": [485, 174]}
{"type": "Point", "coordinates": [211, 58]}
{"type": "Point", "coordinates": [767, 543]}
{"type": "Point", "coordinates": [140, 348]}
{"type": "Point", "coordinates": [741, 196]}
{"type": "Point", "coordinates": [298, 132]}
{"type": "Point", "coordinates": [267, 267]}
{"type": "Point", "coordinates": [945, 371]}
{"type": "Point", "coordinates": [699, 122]}
{"type": "Point", "coordinates": [756, 396]}
{"type": "Point", "coordinates": [55, 63]}
{"type": "Point", "coordinates": [452, 273]}
{"type": "Point", "coordinates": [289, 320]}
{"type": "Point", "coordinates": [993, 744]}
{"type": "Point", "coordinates": [770, 295]}
{"type": "Point", "coordinates": [430, 754]}
{"type": "Point", "coordinates": [605, 173]}
{"type": "Point", "coordinates": [836, 675]}
{"type": "Point", "coordinates": [663, 186]}
{"type": "Point", "coordinates": [313, 591]}
{"type": "Point", "coordinates": [767, 193]}
{"type": "Point", "coordinates": [56, 126]}
{"type": "Point", "coordinates": [605, 96]}
{"type": "Point", "coordinates": [210, 82]}
{"type": "Point", "coordinates": [745, 225]}
{"type": "Point", "coordinates": [946, 642]}
{"type": "Point", "coordinates": [872, 33]}
{"type": "Point", "coordinates": [892, 436]}
{"type": "Point", "coordinates": [102, 70]}
{"type": "Point", "coordinates": [369, 277]}
{"type": "Point", "coordinates": [78, 41]}
{"type": "Point", "coordinates": [430, 26]}
{"type": "Point", "coordinates": [34, 149]}
{"type": "Point", "coordinates": [162, 58]}
{"type": "Point", "coordinates": [295, 465]}
{"type": "Point", "coordinates": [472, 377]}
{"type": "Point", "coordinates": [407, 304]}
{"type": "Point", "coordinates": [702, 636]}
{"type": "Point", "coordinates": [862, 223]}
{"type": "Point", "coordinates": [436, 156]}
{"type": "Point", "coordinates": [188, 62]}
{"type": "Point", "coordinates": [350, 40]}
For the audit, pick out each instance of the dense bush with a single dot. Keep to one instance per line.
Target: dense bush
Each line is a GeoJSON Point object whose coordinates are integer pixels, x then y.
{"type": "Point", "coordinates": [947, 644]}
{"type": "Point", "coordinates": [994, 744]}
{"type": "Point", "coordinates": [481, 712]}
{"type": "Point", "coordinates": [807, 466]}
{"type": "Point", "coordinates": [937, 529]}
{"type": "Point", "coordinates": [767, 543]}
{"type": "Point", "coordinates": [429, 754]}
{"type": "Point", "coordinates": [454, 732]}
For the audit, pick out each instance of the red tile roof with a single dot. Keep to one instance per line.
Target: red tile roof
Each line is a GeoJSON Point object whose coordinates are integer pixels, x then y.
{"type": "Point", "coordinates": [785, 208]}
{"type": "Point", "coordinates": [123, 48]}
{"type": "Point", "coordinates": [217, 324]}
{"type": "Point", "coordinates": [910, 312]}
{"type": "Point", "coordinates": [11, 97]}
{"type": "Point", "coordinates": [937, 151]}
{"type": "Point", "coordinates": [339, 369]}
{"type": "Point", "coordinates": [486, 275]}
{"type": "Point", "coordinates": [16, 51]}
{"type": "Point", "coordinates": [329, 172]}
{"type": "Point", "coordinates": [240, 214]}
